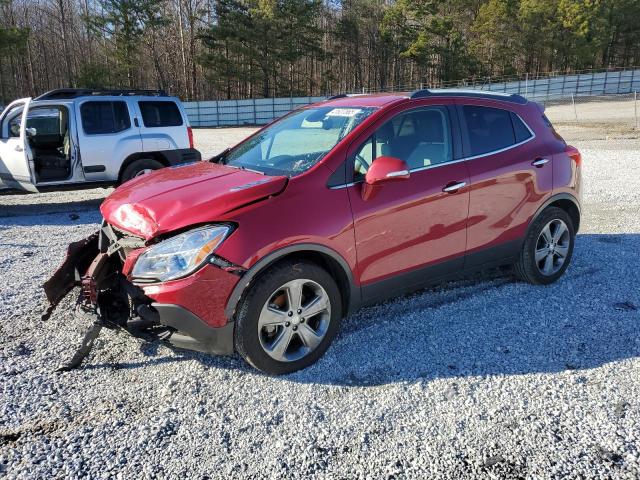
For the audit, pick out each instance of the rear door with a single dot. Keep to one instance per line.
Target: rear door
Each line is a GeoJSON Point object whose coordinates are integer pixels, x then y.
{"type": "Point", "coordinates": [16, 170]}
{"type": "Point", "coordinates": [412, 230]}
{"type": "Point", "coordinates": [511, 174]}
{"type": "Point", "coordinates": [162, 126]}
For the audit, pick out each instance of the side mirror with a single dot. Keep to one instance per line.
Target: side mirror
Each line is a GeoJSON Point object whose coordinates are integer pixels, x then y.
{"type": "Point", "coordinates": [31, 132]}
{"type": "Point", "coordinates": [383, 170]}
{"type": "Point", "coordinates": [14, 130]}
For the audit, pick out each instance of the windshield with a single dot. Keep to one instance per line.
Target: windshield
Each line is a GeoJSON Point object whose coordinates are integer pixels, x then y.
{"type": "Point", "coordinates": [296, 142]}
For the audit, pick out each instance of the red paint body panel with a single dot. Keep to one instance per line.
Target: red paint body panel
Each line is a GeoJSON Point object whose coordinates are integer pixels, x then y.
{"type": "Point", "coordinates": [307, 212]}
{"type": "Point", "coordinates": [410, 223]}
{"type": "Point", "coordinates": [204, 293]}
{"type": "Point", "coordinates": [173, 198]}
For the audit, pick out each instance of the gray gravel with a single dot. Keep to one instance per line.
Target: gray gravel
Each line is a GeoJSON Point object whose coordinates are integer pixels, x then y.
{"type": "Point", "coordinates": [481, 378]}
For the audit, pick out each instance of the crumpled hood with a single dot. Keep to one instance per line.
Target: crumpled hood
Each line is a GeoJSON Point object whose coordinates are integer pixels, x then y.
{"type": "Point", "coordinates": [176, 197]}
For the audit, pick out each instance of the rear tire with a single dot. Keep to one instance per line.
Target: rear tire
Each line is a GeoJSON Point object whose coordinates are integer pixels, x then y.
{"type": "Point", "coordinates": [140, 167]}
{"type": "Point", "coordinates": [547, 249]}
{"type": "Point", "coordinates": [272, 333]}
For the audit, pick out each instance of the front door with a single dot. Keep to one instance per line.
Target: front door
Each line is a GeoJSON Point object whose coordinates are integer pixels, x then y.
{"type": "Point", "coordinates": [16, 170]}
{"type": "Point", "coordinates": [415, 229]}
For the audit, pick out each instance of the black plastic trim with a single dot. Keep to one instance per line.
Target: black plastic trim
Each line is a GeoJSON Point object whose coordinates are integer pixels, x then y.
{"type": "Point", "coordinates": [427, 93]}
{"type": "Point", "coordinates": [178, 156]}
{"type": "Point", "coordinates": [258, 267]}
{"type": "Point", "coordinates": [411, 281]}
{"type": "Point", "coordinates": [193, 333]}
{"type": "Point", "coordinates": [67, 93]}
{"type": "Point", "coordinates": [423, 277]}
{"type": "Point", "coordinates": [555, 198]}
{"type": "Point", "coordinates": [94, 168]}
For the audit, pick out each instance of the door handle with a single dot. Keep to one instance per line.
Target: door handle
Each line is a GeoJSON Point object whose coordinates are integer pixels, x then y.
{"type": "Point", "coordinates": [540, 162]}
{"type": "Point", "coordinates": [453, 187]}
{"type": "Point", "coordinates": [19, 148]}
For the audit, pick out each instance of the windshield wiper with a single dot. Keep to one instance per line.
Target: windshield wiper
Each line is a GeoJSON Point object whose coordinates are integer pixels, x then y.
{"type": "Point", "coordinates": [220, 157]}
{"type": "Point", "coordinates": [243, 168]}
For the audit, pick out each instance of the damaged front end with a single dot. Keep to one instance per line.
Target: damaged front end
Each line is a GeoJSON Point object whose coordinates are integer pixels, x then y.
{"type": "Point", "coordinates": [108, 299]}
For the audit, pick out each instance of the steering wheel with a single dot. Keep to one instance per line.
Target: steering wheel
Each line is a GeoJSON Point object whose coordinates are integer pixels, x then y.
{"type": "Point", "coordinates": [363, 162]}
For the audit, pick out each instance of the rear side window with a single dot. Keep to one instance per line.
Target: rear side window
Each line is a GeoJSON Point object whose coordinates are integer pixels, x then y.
{"type": "Point", "coordinates": [99, 117]}
{"type": "Point", "coordinates": [160, 114]}
{"type": "Point", "coordinates": [489, 129]}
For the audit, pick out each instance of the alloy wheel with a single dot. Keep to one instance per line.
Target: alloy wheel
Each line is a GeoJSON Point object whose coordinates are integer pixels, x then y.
{"type": "Point", "coordinates": [294, 320]}
{"type": "Point", "coordinates": [552, 247]}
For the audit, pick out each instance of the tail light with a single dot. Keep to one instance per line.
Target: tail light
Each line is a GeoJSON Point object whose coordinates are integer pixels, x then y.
{"type": "Point", "coordinates": [190, 134]}
{"type": "Point", "coordinates": [575, 154]}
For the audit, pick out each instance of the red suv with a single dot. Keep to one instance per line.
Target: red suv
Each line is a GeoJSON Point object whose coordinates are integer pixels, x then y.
{"type": "Point", "coordinates": [267, 246]}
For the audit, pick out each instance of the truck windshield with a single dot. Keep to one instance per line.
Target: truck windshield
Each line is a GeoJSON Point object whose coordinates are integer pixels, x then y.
{"type": "Point", "coordinates": [296, 142]}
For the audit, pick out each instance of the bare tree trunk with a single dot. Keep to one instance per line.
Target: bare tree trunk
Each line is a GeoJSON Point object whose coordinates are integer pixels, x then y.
{"type": "Point", "coordinates": [65, 43]}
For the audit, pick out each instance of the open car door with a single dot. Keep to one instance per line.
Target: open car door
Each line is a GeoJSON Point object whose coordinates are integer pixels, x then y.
{"type": "Point", "coordinates": [15, 166]}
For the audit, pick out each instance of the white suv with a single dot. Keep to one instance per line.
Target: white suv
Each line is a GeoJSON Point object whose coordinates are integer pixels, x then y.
{"type": "Point", "coordinates": [70, 138]}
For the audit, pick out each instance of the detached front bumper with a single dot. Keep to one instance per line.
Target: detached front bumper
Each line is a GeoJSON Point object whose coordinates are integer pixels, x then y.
{"type": "Point", "coordinates": [188, 313]}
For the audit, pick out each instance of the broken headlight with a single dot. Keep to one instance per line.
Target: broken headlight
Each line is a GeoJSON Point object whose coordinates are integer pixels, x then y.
{"type": "Point", "coordinates": [180, 255]}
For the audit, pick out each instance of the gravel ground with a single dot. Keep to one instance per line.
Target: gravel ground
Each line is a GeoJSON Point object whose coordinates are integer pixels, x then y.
{"type": "Point", "coordinates": [481, 378]}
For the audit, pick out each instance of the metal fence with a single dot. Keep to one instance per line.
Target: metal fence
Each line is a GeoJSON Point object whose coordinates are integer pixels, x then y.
{"type": "Point", "coordinates": [548, 90]}
{"type": "Point", "coordinates": [255, 111]}
{"type": "Point", "coordinates": [620, 112]}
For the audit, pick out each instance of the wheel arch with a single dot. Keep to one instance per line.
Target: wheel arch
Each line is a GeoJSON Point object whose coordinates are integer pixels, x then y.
{"type": "Point", "coordinates": [566, 202]}
{"type": "Point", "coordinates": [326, 257]}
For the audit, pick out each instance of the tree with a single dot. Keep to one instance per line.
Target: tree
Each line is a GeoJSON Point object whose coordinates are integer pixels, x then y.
{"type": "Point", "coordinates": [124, 23]}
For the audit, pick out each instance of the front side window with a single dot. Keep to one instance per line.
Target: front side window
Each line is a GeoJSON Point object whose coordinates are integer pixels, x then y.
{"type": "Point", "coordinates": [492, 129]}
{"type": "Point", "coordinates": [13, 123]}
{"type": "Point", "coordinates": [298, 141]}
{"type": "Point", "coordinates": [103, 117]}
{"type": "Point", "coordinates": [160, 114]}
{"type": "Point", "coordinates": [421, 137]}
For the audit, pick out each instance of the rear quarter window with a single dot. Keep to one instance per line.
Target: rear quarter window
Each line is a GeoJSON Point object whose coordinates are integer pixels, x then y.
{"type": "Point", "coordinates": [521, 131]}
{"type": "Point", "coordinates": [103, 117]}
{"type": "Point", "coordinates": [160, 114]}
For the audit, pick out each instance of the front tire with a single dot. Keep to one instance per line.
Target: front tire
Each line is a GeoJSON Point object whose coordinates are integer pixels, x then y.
{"type": "Point", "coordinates": [547, 249]}
{"type": "Point", "coordinates": [288, 318]}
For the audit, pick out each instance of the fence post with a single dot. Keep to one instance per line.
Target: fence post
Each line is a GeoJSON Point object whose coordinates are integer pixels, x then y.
{"type": "Point", "coordinates": [255, 115]}
{"type": "Point", "coordinates": [217, 113]}
{"type": "Point", "coordinates": [575, 112]}
{"type": "Point", "coordinates": [635, 107]}
{"type": "Point", "coordinates": [526, 84]}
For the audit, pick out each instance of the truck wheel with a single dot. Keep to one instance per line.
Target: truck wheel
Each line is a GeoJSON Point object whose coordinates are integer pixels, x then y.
{"type": "Point", "coordinates": [139, 167]}
{"type": "Point", "coordinates": [288, 318]}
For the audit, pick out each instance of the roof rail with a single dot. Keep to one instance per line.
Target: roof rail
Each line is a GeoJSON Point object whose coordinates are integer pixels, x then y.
{"type": "Point", "coordinates": [66, 93]}
{"type": "Point", "coordinates": [445, 92]}
{"type": "Point", "coordinates": [340, 95]}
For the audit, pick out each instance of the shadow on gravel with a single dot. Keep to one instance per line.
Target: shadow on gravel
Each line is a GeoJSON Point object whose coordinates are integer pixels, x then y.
{"type": "Point", "coordinates": [491, 326]}
{"type": "Point", "coordinates": [9, 212]}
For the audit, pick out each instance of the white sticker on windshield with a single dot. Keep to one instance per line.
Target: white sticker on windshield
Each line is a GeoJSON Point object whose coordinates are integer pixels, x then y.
{"type": "Point", "coordinates": [343, 112]}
